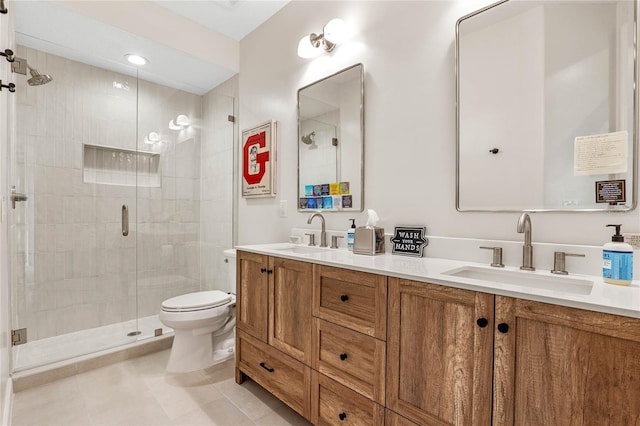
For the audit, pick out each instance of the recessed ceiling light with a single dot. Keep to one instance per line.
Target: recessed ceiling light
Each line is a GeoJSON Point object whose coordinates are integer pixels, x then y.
{"type": "Point", "coordinates": [136, 59]}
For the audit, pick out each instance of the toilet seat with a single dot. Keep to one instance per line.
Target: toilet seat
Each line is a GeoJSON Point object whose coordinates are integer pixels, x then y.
{"type": "Point", "coordinates": [197, 301]}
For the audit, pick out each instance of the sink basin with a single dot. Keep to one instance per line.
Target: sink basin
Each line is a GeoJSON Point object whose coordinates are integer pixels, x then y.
{"type": "Point", "coordinates": [301, 249]}
{"type": "Point", "coordinates": [525, 279]}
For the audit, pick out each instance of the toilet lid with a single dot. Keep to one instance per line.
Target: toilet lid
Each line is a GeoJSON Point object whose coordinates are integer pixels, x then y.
{"type": "Point", "coordinates": [196, 301]}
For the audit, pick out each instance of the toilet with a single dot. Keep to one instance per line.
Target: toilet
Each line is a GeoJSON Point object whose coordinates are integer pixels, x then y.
{"type": "Point", "coordinates": [203, 323]}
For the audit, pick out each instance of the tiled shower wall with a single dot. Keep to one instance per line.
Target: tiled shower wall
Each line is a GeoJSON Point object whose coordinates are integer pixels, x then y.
{"type": "Point", "coordinates": [75, 270]}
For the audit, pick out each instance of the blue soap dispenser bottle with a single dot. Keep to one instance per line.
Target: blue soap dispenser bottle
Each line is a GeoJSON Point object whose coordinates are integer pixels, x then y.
{"type": "Point", "coordinates": [617, 260]}
{"type": "Point", "coordinates": [351, 235]}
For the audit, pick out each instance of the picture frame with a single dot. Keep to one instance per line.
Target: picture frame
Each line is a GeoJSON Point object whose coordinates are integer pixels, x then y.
{"type": "Point", "coordinates": [259, 160]}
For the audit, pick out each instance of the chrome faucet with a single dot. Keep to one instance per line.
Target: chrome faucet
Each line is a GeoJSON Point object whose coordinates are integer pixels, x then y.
{"type": "Point", "coordinates": [323, 232]}
{"type": "Point", "coordinates": [524, 226]}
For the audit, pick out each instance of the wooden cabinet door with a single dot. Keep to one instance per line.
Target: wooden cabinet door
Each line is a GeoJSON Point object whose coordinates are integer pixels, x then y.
{"type": "Point", "coordinates": [290, 286]}
{"type": "Point", "coordinates": [252, 294]}
{"type": "Point", "coordinates": [562, 366]}
{"type": "Point", "coordinates": [439, 353]}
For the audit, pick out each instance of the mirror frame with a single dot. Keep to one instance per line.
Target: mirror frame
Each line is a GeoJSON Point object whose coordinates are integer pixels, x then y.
{"type": "Point", "coordinates": [634, 196]}
{"type": "Point", "coordinates": [361, 187]}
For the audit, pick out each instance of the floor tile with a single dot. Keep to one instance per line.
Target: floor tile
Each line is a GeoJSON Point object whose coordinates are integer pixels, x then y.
{"type": "Point", "coordinates": [139, 392]}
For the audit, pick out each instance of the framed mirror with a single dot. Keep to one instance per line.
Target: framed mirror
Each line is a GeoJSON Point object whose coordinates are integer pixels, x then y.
{"type": "Point", "coordinates": [331, 143]}
{"type": "Point", "coordinates": [547, 115]}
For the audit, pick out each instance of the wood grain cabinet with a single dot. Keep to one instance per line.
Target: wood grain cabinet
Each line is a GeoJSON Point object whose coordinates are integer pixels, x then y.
{"type": "Point", "coordinates": [440, 351]}
{"type": "Point", "coordinates": [562, 366]}
{"type": "Point", "coordinates": [274, 326]}
{"type": "Point", "coordinates": [322, 338]}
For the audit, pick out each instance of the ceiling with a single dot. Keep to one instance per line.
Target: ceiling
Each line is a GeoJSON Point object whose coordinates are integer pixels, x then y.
{"type": "Point", "coordinates": [191, 45]}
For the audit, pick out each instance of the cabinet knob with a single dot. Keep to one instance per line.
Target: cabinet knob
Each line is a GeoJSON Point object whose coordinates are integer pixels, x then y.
{"type": "Point", "coordinates": [503, 327]}
{"type": "Point", "coordinates": [344, 297]}
{"type": "Point", "coordinates": [482, 322]}
{"type": "Point", "coordinates": [269, 271]}
{"type": "Point", "coordinates": [263, 270]}
{"type": "Point", "coordinates": [342, 416]}
{"type": "Point", "coordinates": [343, 356]}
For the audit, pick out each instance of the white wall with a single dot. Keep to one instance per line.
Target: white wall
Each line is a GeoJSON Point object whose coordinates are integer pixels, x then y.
{"type": "Point", "coordinates": [407, 49]}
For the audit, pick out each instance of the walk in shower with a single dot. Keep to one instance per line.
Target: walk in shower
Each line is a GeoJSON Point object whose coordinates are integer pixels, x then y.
{"type": "Point", "coordinates": [126, 200]}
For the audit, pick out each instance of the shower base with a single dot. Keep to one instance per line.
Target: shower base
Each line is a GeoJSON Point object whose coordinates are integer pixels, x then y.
{"type": "Point", "coordinates": [43, 352]}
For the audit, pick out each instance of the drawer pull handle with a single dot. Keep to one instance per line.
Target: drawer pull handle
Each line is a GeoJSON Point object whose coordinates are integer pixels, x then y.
{"type": "Point", "coordinates": [342, 416]}
{"type": "Point", "coordinates": [503, 327]}
{"type": "Point", "coordinates": [344, 297]}
{"type": "Point", "coordinates": [263, 365]}
{"type": "Point", "coordinates": [263, 270]}
{"type": "Point", "coordinates": [269, 271]}
{"type": "Point", "coordinates": [343, 356]}
{"type": "Point", "coordinates": [482, 322]}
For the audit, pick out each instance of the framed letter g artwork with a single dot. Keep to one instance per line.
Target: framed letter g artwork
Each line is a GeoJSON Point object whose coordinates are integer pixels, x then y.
{"type": "Point", "coordinates": [259, 160]}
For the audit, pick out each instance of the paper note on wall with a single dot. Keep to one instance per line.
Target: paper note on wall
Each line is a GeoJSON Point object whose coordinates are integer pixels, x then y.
{"type": "Point", "coordinates": [600, 154]}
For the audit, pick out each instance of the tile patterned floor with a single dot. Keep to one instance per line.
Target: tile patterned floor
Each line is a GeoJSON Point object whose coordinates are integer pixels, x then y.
{"type": "Point", "coordinates": [139, 392]}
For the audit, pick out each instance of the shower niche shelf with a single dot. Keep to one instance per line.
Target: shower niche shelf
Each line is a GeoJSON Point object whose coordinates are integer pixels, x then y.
{"type": "Point", "coordinates": [108, 165]}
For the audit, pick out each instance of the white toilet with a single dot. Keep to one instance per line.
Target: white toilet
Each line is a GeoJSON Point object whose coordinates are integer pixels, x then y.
{"type": "Point", "coordinates": [203, 324]}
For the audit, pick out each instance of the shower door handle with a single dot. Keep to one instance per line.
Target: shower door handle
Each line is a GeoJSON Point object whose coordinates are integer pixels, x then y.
{"type": "Point", "coordinates": [16, 196]}
{"type": "Point", "coordinates": [125, 220]}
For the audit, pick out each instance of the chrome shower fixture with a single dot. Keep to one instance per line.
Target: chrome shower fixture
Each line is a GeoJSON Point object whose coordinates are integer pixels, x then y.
{"type": "Point", "coordinates": [38, 79]}
{"type": "Point", "coordinates": [308, 139]}
{"type": "Point", "coordinates": [8, 53]}
{"type": "Point", "coordinates": [20, 66]}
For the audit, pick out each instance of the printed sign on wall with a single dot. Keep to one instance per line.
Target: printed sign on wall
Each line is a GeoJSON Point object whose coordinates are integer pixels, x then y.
{"type": "Point", "coordinates": [259, 160]}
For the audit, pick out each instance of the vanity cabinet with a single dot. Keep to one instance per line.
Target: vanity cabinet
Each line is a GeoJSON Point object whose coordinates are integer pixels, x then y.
{"type": "Point", "coordinates": [559, 365]}
{"type": "Point", "coordinates": [440, 353]}
{"type": "Point", "coordinates": [346, 347]}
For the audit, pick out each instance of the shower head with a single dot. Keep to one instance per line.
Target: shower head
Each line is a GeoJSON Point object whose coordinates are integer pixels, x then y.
{"type": "Point", "coordinates": [38, 79]}
{"type": "Point", "coordinates": [308, 139]}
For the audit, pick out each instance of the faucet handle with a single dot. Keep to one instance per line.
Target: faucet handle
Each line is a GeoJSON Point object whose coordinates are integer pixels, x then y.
{"type": "Point", "coordinates": [559, 262]}
{"type": "Point", "coordinates": [334, 241]}
{"type": "Point", "coordinates": [312, 239]}
{"type": "Point", "coordinates": [497, 256]}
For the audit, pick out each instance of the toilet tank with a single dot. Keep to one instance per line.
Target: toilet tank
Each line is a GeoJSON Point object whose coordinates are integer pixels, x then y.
{"type": "Point", "coordinates": [229, 284]}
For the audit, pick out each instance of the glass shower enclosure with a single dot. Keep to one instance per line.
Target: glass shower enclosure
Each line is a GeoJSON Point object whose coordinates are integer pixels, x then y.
{"type": "Point", "coordinates": [122, 200]}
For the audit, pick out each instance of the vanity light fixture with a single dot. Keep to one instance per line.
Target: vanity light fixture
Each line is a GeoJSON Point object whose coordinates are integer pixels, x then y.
{"type": "Point", "coordinates": [180, 122]}
{"type": "Point", "coordinates": [136, 59]}
{"type": "Point", "coordinates": [151, 138]}
{"type": "Point", "coordinates": [333, 33]}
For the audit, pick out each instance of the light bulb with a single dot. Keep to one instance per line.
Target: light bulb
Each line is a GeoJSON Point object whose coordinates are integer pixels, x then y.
{"type": "Point", "coordinates": [182, 120]}
{"type": "Point", "coordinates": [306, 49]}
{"type": "Point", "coordinates": [136, 59]}
{"type": "Point", "coordinates": [335, 31]}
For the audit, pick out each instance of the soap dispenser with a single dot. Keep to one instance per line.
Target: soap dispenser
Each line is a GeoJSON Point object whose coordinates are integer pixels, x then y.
{"type": "Point", "coordinates": [351, 235]}
{"type": "Point", "coordinates": [617, 260]}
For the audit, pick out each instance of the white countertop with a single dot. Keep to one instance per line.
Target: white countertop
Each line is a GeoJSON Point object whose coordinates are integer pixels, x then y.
{"type": "Point", "coordinates": [613, 299]}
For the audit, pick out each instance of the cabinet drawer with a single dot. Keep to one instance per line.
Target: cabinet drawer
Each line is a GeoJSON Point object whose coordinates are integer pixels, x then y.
{"type": "Point", "coordinates": [351, 358]}
{"type": "Point", "coordinates": [286, 378]}
{"type": "Point", "coordinates": [334, 404]}
{"type": "Point", "coordinates": [357, 300]}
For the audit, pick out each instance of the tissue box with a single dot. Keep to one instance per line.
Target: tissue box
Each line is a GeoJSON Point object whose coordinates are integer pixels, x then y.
{"type": "Point", "coordinates": [369, 240]}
